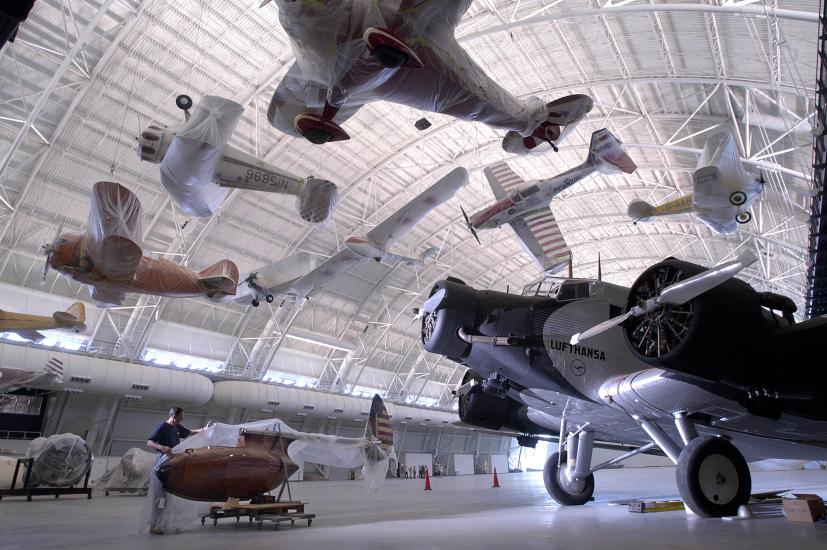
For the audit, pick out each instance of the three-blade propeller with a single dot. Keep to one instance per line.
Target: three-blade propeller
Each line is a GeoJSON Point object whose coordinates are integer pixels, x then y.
{"type": "Point", "coordinates": [679, 293]}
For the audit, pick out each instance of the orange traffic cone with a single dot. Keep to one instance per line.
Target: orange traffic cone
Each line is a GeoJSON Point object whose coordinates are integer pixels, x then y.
{"type": "Point", "coordinates": [427, 480]}
{"type": "Point", "coordinates": [496, 480]}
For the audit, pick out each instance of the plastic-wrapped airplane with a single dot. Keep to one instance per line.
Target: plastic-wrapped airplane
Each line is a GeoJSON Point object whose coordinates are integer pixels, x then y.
{"type": "Point", "coordinates": [689, 360]}
{"type": "Point", "coordinates": [46, 377]}
{"type": "Point", "coordinates": [723, 190]}
{"type": "Point", "coordinates": [290, 277]}
{"type": "Point", "coordinates": [354, 52]}
{"type": "Point", "coordinates": [109, 258]}
{"type": "Point", "coordinates": [198, 168]}
{"type": "Point", "coordinates": [27, 326]}
{"type": "Point", "coordinates": [526, 206]}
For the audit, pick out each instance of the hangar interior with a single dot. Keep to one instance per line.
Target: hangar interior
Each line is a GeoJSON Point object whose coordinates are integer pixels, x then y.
{"type": "Point", "coordinates": [83, 81]}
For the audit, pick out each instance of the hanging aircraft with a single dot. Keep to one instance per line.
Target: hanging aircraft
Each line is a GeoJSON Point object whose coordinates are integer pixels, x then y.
{"type": "Point", "coordinates": [352, 53]}
{"type": "Point", "coordinates": [723, 191]}
{"type": "Point", "coordinates": [108, 257]}
{"type": "Point", "coordinates": [289, 277]}
{"type": "Point", "coordinates": [264, 455]}
{"type": "Point", "coordinates": [27, 326]}
{"type": "Point", "coordinates": [46, 377]}
{"type": "Point", "coordinates": [689, 361]}
{"type": "Point", "coordinates": [198, 168]}
{"type": "Point", "coordinates": [526, 206]}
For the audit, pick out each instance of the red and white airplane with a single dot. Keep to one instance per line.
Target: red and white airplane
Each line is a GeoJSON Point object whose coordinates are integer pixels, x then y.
{"type": "Point", "coordinates": [286, 276]}
{"type": "Point", "coordinates": [525, 205]}
{"type": "Point", "coordinates": [46, 377]}
{"type": "Point", "coordinates": [350, 53]}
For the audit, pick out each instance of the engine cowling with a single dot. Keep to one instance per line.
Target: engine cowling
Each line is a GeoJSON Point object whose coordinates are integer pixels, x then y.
{"type": "Point", "coordinates": [317, 199]}
{"type": "Point", "coordinates": [711, 337]}
{"type": "Point", "coordinates": [478, 408]}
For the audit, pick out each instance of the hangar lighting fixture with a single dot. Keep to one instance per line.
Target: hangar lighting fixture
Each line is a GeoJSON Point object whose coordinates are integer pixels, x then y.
{"type": "Point", "coordinates": [181, 361]}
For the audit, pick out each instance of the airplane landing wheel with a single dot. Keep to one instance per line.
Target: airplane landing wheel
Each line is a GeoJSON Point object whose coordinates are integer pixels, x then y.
{"type": "Point", "coordinates": [743, 217]}
{"type": "Point", "coordinates": [713, 477]}
{"type": "Point", "coordinates": [566, 492]}
{"type": "Point", "coordinates": [183, 102]}
{"type": "Point", "coordinates": [738, 198]}
{"type": "Point", "coordinates": [255, 302]}
{"type": "Point", "coordinates": [269, 298]}
{"type": "Point", "coordinates": [317, 136]}
{"type": "Point", "coordinates": [389, 57]}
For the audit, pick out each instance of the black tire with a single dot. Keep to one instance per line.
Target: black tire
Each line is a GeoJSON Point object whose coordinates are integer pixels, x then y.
{"type": "Point", "coordinates": [743, 217]}
{"type": "Point", "coordinates": [713, 477]}
{"type": "Point", "coordinates": [738, 198]}
{"type": "Point", "coordinates": [389, 57]}
{"type": "Point", "coordinates": [255, 302]}
{"type": "Point", "coordinates": [183, 102]}
{"type": "Point", "coordinates": [269, 298]}
{"type": "Point", "coordinates": [317, 136]}
{"type": "Point", "coordinates": [558, 492]}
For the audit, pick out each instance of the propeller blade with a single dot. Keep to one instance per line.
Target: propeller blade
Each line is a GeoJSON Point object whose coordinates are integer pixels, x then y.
{"type": "Point", "coordinates": [469, 225]}
{"type": "Point", "coordinates": [433, 302]}
{"type": "Point", "coordinates": [49, 249]}
{"type": "Point", "coordinates": [602, 327]}
{"type": "Point", "coordinates": [690, 288]}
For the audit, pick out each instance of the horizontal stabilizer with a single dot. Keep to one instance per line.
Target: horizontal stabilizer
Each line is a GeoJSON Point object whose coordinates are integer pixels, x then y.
{"type": "Point", "coordinates": [607, 155]}
{"type": "Point", "coordinates": [220, 278]}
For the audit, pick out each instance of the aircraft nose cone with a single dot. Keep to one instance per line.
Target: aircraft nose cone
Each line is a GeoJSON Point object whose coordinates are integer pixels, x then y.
{"type": "Point", "coordinates": [162, 471]}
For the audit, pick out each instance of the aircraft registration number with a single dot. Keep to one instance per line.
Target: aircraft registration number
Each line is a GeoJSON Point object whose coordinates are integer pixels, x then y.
{"type": "Point", "coordinates": [266, 178]}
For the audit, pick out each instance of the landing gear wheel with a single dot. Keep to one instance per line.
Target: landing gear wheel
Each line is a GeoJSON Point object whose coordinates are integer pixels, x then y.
{"type": "Point", "coordinates": [566, 493]}
{"type": "Point", "coordinates": [738, 198]}
{"type": "Point", "coordinates": [255, 302]}
{"type": "Point", "coordinates": [317, 136]}
{"type": "Point", "coordinates": [743, 217]}
{"type": "Point", "coordinates": [269, 298]}
{"type": "Point", "coordinates": [713, 477]}
{"type": "Point", "coordinates": [183, 102]}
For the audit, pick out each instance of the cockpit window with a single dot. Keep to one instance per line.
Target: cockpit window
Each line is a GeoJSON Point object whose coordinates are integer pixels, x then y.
{"type": "Point", "coordinates": [574, 291]}
{"type": "Point", "coordinates": [527, 192]}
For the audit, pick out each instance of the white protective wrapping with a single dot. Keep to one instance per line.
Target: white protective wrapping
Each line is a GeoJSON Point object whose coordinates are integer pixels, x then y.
{"type": "Point", "coordinates": [114, 232]}
{"type": "Point", "coordinates": [334, 64]}
{"type": "Point", "coordinates": [60, 460]}
{"type": "Point", "coordinates": [189, 166]}
{"type": "Point", "coordinates": [343, 452]}
{"type": "Point", "coordinates": [719, 173]}
{"type": "Point", "coordinates": [131, 472]}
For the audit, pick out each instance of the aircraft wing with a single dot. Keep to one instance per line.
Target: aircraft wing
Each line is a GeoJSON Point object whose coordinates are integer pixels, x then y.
{"type": "Point", "coordinates": [242, 171]}
{"type": "Point", "coordinates": [29, 334]}
{"type": "Point", "coordinates": [399, 223]}
{"type": "Point", "coordinates": [326, 272]}
{"type": "Point", "coordinates": [542, 239]}
{"type": "Point", "coordinates": [114, 233]}
{"type": "Point", "coordinates": [502, 179]}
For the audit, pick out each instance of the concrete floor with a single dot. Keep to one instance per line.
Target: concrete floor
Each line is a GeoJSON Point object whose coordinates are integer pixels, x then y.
{"type": "Point", "coordinates": [460, 512]}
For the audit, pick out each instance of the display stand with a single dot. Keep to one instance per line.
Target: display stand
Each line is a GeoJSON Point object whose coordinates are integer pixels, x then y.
{"type": "Point", "coordinates": [29, 492]}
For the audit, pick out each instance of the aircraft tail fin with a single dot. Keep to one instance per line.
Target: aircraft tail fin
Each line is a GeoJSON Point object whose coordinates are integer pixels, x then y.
{"type": "Point", "coordinates": [74, 316]}
{"type": "Point", "coordinates": [220, 279]}
{"type": "Point", "coordinates": [379, 424]}
{"type": "Point", "coordinates": [606, 154]}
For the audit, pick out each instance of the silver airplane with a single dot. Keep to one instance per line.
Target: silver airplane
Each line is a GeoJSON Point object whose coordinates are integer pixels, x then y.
{"type": "Point", "coordinates": [689, 361]}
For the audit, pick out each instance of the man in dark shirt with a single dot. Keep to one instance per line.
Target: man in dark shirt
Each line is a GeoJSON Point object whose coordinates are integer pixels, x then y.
{"type": "Point", "coordinates": [169, 433]}
{"type": "Point", "coordinates": [166, 435]}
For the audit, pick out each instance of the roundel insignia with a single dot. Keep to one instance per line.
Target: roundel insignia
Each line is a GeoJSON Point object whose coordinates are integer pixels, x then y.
{"type": "Point", "coordinates": [577, 367]}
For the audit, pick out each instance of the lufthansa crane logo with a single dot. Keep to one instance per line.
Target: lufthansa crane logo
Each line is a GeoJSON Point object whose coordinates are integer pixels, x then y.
{"type": "Point", "coordinates": [577, 367]}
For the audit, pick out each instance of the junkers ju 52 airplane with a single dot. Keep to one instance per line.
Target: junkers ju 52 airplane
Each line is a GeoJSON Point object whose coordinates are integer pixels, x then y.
{"type": "Point", "coordinates": [198, 168]}
{"type": "Point", "coordinates": [688, 360]}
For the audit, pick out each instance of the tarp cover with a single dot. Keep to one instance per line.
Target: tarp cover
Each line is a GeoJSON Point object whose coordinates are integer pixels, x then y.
{"type": "Point", "coordinates": [189, 166]}
{"type": "Point", "coordinates": [343, 452]}
{"type": "Point", "coordinates": [131, 472]}
{"type": "Point", "coordinates": [60, 460]}
{"type": "Point", "coordinates": [334, 64]}
{"type": "Point", "coordinates": [114, 232]}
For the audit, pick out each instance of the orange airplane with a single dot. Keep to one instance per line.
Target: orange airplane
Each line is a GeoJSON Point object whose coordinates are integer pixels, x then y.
{"type": "Point", "coordinates": [109, 258]}
{"type": "Point", "coordinates": [27, 326]}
